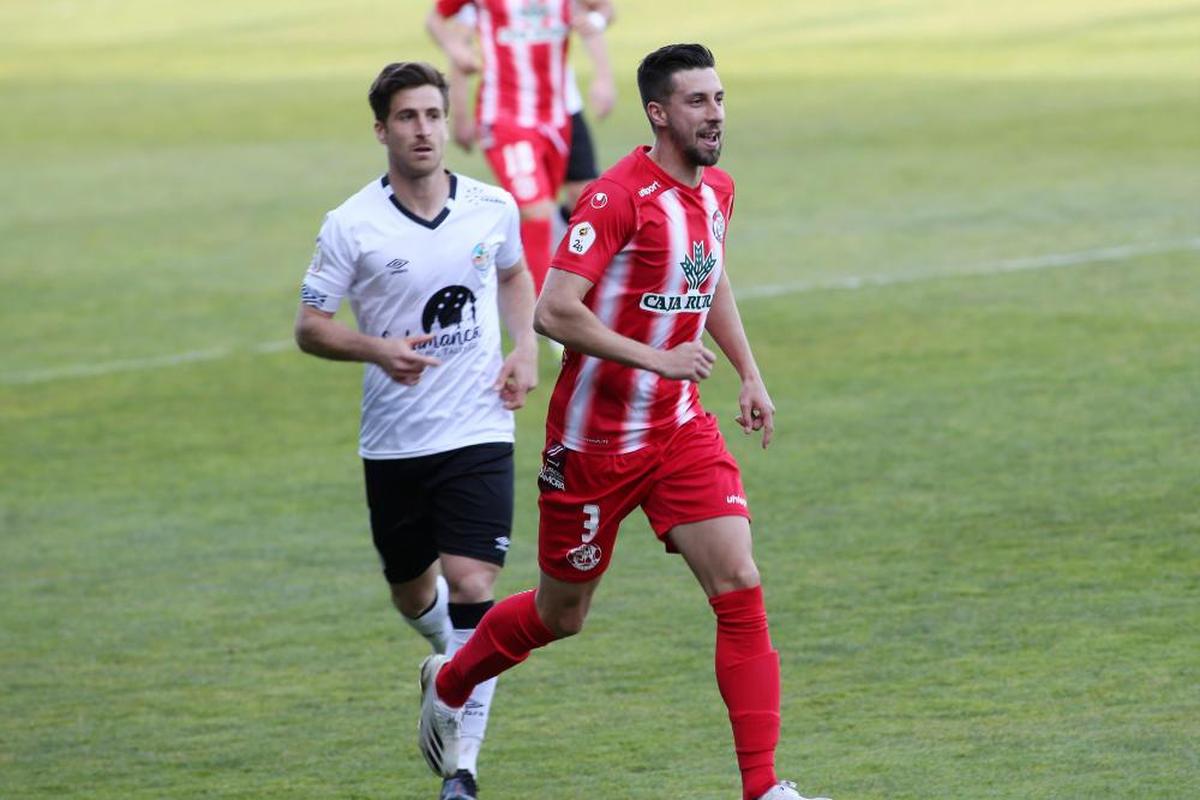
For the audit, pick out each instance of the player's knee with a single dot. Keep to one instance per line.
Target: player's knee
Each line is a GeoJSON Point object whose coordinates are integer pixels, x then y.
{"type": "Point", "coordinates": [411, 600]}
{"type": "Point", "coordinates": [743, 575]}
{"type": "Point", "coordinates": [566, 623]}
{"type": "Point", "coordinates": [563, 620]}
{"type": "Point", "coordinates": [472, 587]}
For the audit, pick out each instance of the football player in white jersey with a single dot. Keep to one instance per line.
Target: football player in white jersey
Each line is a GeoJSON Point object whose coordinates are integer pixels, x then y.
{"type": "Point", "coordinates": [432, 265]}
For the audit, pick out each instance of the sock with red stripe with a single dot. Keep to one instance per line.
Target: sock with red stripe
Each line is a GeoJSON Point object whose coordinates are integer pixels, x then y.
{"type": "Point", "coordinates": [748, 676]}
{"type": "Point", "coordinates": [504, 638]}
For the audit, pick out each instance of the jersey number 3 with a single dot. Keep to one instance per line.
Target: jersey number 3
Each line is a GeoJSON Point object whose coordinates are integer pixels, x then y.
{"type": "Point", "coordinates": [592, 522]}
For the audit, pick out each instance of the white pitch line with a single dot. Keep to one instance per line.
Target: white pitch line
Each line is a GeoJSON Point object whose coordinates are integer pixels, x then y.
{"type": "Point", "coordinates": [1047, 261]}
{"type": "Point", "coordinates": [135, 364]}
{"type": "Point", "coordinates": [850, 282]}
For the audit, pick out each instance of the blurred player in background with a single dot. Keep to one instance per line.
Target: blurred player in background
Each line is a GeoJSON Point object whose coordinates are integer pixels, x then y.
{"type": "Point", "coordinates": [431, 264]}
{"type": "Point", "coordinates": [528, 108]}
{"type": "Point", "coordinates": [634, 286]}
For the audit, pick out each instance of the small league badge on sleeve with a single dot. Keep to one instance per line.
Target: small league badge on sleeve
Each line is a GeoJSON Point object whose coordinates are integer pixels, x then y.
{"type": "Point", "coordinates": [314, 266]}
{"type": "Point", "coordinates": [583, 236]}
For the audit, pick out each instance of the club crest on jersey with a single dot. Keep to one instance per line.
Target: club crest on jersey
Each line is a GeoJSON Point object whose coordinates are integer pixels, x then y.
{"type": "Point", "coordinates": [697, 267]}
{"type": "Point", "coordinates": [481, 257]}
{"type": "Point", "coordinates": [718, 225]}
{"type": "Point", "coordinates": [583, 236]}
{"type": "Point", "coordinates": [584, 558]}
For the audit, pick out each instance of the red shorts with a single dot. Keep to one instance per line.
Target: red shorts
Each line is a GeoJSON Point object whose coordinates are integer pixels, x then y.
{"type": "Point", "coordinates": [688, 476]}
{"type": "Point", "coordinates": [529, 162]}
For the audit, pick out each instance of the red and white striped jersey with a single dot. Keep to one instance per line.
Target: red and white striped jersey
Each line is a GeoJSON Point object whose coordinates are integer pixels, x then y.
{"type": "Point", "coordinates": [524, 46]}
{"type": "Point", "coordinates": [654, 250]}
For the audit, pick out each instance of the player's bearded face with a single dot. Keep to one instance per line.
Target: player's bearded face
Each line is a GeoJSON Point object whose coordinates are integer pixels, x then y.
{"type": "Point", "coordinates": [415, 132]}
{"type": "Point", "coordinates": [696, 116]}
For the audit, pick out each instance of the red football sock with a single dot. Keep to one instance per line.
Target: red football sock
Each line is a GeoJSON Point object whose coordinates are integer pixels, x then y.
{"type": "Point", "coordinates": [748, 677]}
{"type": "Point", "coordinates": [535, 237]}
{"type": "Point", "coordinates": [504, 638]}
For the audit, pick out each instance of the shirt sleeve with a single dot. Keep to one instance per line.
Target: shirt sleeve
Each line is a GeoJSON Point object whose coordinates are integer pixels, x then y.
{"type": "Point", "coordinates": [510, 251]}
{"type": "Point", "coordinates": [602, 224]}
{"type": "Point", "coordinates": [331, 272]}
{"type": "Point", "coordinates": [448, 8]}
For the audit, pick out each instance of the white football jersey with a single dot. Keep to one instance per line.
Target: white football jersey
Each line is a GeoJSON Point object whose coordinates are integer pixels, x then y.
{"type": "Point", "coordinates": [406, 276]}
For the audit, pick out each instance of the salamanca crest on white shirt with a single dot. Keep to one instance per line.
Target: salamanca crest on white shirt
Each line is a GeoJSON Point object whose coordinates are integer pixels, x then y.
{"type": "Point", "coordinates": [407, 276]}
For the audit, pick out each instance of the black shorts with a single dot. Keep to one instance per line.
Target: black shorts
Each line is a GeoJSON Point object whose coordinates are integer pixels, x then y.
{"type": "Point", "coordinates": [581, 162]}
{"type": "Point", "coordinates": [459, 502]}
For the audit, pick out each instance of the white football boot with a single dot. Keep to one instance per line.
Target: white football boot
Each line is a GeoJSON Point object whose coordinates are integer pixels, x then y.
{"type": "Point", "coordinates": [437, 730]}
{"type": "Point", "coordinates": [786, 790]}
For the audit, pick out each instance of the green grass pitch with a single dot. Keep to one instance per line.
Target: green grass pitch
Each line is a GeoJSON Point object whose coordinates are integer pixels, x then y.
{"type": "Point", "coordinates": [967, 243]}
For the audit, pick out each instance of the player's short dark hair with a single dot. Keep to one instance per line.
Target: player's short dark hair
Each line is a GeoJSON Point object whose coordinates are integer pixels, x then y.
{"type": "Point", "coordinates": [656, 70]}
{"type": "Point", "coordinates": [405, 75]}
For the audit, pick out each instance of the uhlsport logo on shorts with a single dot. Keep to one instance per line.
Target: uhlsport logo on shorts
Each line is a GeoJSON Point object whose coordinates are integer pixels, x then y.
{"type": "Point", "coordinates": [585, 557]}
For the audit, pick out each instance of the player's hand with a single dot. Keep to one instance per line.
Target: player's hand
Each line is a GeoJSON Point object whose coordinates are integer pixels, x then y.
{"type": "Point", "coordinates": [757, 410]}
{"type": "Point", "coordinates": [464, 131]}
{"type": "Point", "coordinates": [602, 95]}
{"type": "Point", "coordinates": [517, 378]}
{"type": "Point", "coordinates": [400, 360]}
{"type": "Point", "coordinates": [690, 361]}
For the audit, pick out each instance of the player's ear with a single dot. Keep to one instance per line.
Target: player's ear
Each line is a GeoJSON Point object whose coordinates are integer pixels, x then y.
{"type": "Point", "coordinates": [380, 131]}
{"type": "Point", "coordinates": [657, 114]}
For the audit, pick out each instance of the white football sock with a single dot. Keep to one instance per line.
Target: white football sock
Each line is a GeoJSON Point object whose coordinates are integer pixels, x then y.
{"type": "Point", "coordinates": [475, 712]}
{"type": "Point", "coordinates": [434, 624]}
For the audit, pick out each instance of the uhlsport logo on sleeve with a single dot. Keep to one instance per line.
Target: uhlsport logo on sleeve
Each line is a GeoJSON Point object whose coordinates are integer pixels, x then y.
{"type": "Point", "coordinates": [697, 267]}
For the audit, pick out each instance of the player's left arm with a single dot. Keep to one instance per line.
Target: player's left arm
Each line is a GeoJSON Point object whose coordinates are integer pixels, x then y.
{"type": "Point", "coordinates": [448, 35]}
{"type": "Point", "coordinates": [724, 324]}
{"type": "Point", "coordinates": [462, 117]}
{"type": "Point", "coordinates": [590, 22]}
{"type": "Point", "coordinates": [515, 297]}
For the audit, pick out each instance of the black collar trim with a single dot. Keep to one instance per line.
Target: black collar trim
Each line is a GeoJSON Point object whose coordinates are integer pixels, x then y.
{"type": "Point", "coordinates": [428, 223]}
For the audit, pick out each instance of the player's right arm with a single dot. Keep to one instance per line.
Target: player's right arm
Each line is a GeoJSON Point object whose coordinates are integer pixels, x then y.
{"type": "Point", "coordinates": [562, 315]}
{"type": "Point", "coordinates": [318, 334]}
{"type": "Point", "coordinates": [327, 281]}
{"type": "Point", "coordinates": [603, 223]}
